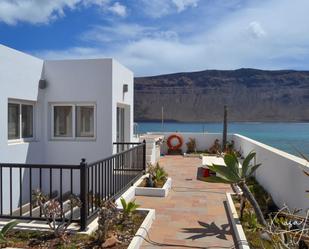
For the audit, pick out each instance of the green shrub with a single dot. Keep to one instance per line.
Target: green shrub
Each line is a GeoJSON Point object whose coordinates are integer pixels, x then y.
{"type": "Point", "coordinates": [157, 174]}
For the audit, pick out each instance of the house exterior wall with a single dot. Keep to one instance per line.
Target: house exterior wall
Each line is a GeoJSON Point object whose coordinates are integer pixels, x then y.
{"type": "Point", "coordinates": [121, 76]}
{"type": "Point", "coordinates": [97, 81]}
{"type": "Point", "coordinates": [19, 77]}
{"type": "Point", "coordinates": [78, 82]}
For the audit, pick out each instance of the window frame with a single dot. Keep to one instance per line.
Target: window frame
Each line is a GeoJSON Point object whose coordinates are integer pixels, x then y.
{"type": "Point", "coordinates": [20, 103]}
{"type": "Point", "coordinates": [74, 137]}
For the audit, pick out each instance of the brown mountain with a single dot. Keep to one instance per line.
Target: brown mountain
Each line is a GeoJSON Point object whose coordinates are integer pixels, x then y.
{"type": "Point", "coordinates": [251, 95]}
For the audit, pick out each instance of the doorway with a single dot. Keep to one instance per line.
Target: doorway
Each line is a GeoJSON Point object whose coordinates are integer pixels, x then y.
{"type": "Point", "coordinates": [120, 125]}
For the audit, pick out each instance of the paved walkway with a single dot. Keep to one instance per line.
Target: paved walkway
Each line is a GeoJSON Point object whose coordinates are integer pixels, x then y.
{"type": "Point", "coordinates": [193, 215]}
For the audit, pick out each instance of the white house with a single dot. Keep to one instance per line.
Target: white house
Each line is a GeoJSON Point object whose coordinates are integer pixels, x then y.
{"type": "Point", "coordinates": [57, 112]}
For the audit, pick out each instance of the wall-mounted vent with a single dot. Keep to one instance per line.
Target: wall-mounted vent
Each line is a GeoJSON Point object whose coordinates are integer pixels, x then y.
{"type": "Point", "coordinates": [42, 84]}
{"type": "Point", "coordinates": [125, 88]}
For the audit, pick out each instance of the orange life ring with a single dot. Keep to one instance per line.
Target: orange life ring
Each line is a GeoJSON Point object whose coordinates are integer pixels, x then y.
{"type": "Point", "coordinates": [178, 145]}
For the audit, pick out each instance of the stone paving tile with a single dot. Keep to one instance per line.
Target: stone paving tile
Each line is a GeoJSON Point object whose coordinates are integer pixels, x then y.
{"type": "Point", "coordinates": [193, 215]}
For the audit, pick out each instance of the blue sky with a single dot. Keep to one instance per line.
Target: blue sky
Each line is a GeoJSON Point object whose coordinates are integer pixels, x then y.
{"type": "Point", "coordinates": [162, 36]}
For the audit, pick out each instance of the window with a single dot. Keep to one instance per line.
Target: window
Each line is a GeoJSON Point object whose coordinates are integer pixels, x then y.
{"type": "Point", "coordinates": [73, 121]}
{"type": "Point", "coordinates": [20, 121]}
{"type": "Point", "coordinates": [63, 121]}
{"type": "Point", "coordinates": [13, 121]}
{"type": "Point", "coordinates": [84, 121]}
{"type": "Point", "coordinates": [27, 121]}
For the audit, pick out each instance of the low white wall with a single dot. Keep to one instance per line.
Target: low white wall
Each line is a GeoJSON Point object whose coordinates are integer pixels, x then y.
{"type": "Point", "coordinates": [281, 174]}
{"type": "Point", "coordinates": [203, 140]}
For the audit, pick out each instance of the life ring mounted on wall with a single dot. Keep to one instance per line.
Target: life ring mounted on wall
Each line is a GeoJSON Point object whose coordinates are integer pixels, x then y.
{"type": "Point", "coordinates": [179, 143]}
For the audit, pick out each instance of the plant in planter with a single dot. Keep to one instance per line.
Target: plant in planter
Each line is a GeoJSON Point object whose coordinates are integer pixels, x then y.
{"type": "Point", "coordinates": [191, 145]}
{"type": "Point", "coordinates": [118, 226]}
{"type": "Point", "coordinates": [230, 148]}
{"type": "Point", "coordinates": [232, 174]}
{"type": "Point", "coordinates": [287, 230]}
{"type": "Point", "coordinates": [128, 208]}
{"type": "Point", "coordinates": [9, 226]}
{"type": "Point", "coordinates": [107, 216]}
{"type": "Point", "coordinates": [157, 176]}
{"type": "Point", "coordinates": [215, 148]}
{"type": "Point", "coordinates": [52, 211]}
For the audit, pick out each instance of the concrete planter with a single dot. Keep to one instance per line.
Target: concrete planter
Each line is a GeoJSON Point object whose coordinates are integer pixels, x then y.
{"type": "Point", "coordinates": [155, 192]}
{"type": "Point", "coordinates": [236, 224]}
{"type": "Point", "coordinates": [141, 233]}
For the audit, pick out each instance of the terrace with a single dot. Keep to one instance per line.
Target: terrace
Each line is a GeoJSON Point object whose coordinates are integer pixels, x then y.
{"type": "Point", "coordinates": [195, 214]}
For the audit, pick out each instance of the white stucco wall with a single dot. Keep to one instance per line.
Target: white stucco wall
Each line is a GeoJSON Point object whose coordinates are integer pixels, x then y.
{"type": "Point", "coordinates": [203, 140]}
{"type": "Point", "coordinates": [281, 174]}
{"type": "Point", "coordinates": [78, 81]}
{"type": "Point", "coordinates": [121, 76]}
{"type": "Point", "coordinates": [96, 81]}
{"type": "Point", "coordinates": [19, 77]}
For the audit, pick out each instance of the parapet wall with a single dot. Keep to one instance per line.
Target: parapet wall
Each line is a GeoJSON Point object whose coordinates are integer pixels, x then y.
{"type": "Point", "coordinates": [281, 173]}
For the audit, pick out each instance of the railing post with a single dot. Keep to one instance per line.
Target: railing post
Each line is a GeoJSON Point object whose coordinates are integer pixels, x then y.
{"type": "Point", "coordinates": [144, 156]}
{"type": "Point", "coordinates": [83, 194]}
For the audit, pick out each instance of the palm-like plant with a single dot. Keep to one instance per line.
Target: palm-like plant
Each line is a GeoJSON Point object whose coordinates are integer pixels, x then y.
{"type": "Point", "coordinates": [159, 175]}
{"type": "Point", "coordinates": [231, 173]}
{"type": "Point", "coordinates": [128, 207]}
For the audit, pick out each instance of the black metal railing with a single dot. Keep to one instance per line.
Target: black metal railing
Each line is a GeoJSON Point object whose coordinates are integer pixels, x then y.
{"type": "Point", "coordinates": [92, 182]}
{"type": "Point", "coordinates": [123, 146]}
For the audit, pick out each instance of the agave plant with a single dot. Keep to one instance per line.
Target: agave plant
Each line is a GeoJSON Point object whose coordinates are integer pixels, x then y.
{"type": "Point", "coordinates": [231, 173]}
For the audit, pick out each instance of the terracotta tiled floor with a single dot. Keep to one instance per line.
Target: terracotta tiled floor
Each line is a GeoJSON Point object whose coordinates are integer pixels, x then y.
{"type": "Point", "coordinates": [193, 215]}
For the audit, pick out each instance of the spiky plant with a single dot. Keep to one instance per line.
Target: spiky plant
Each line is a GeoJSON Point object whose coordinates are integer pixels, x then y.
{"type": "Point", "coordinates": [128, 207]}
{"type": "Point", "coordinates": [157, 174]}
{"type": "Point", "coordinates": [9, 226]}
{"type": "Point", "coordinates": [231, 173]}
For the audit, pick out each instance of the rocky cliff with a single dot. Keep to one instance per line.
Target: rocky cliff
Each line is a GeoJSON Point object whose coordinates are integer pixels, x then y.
{"type": "Point", "coordinates": [251, 95]}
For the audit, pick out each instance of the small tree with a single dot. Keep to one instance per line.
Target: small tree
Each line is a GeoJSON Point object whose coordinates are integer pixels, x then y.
{"type": "Point", "coordinates": [54, 213]}
{"type": "Point", "coordinates": [107, 217]}
{"type": "Point", "coordinates": [231, 173]}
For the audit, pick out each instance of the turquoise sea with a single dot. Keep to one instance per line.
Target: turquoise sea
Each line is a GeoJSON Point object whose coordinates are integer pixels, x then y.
{"type": "Point", "coordinates": [284, 136]}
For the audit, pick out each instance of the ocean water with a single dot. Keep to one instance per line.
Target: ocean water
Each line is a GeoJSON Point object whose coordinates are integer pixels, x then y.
{"type": "Point", "coordinates": [288, 137]}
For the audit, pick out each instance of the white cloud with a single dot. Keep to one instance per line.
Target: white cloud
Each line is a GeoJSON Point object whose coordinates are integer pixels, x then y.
{"type": "Point", "coordinates": [261, 36]}
{"type": "Point", "coordinates": [72, 53]}
{"type": "Point", "coordinates": [33, 11]}
{"type": "Point", "coordinates": [44, 11]}
{"type": "Point", "coordinates": [118, 9]}
{"type": "Point", "coordinates": [183, 4]}
{"type": "Point", "coordinates": [256, 30]}
{"type": "Point", "coordinates": [119, 32]}
{"type": "Point", "coordinates": [156, 8]}
{"type": "Point", "coordinates": [160, 8]}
